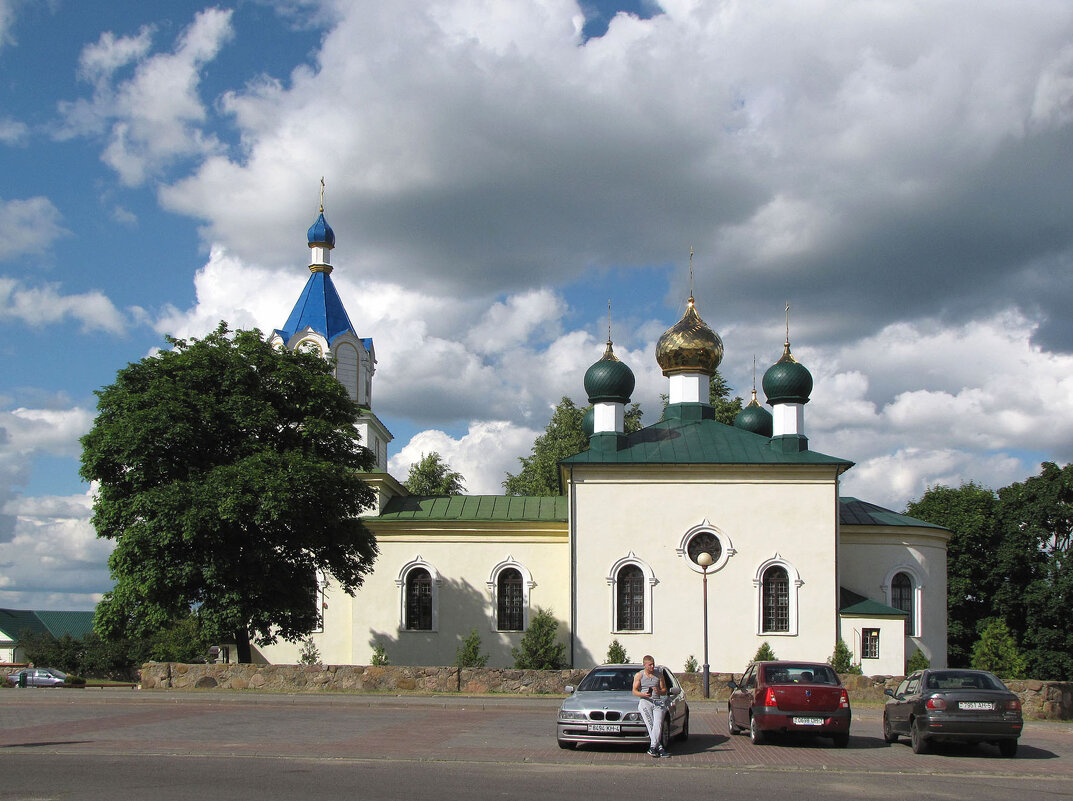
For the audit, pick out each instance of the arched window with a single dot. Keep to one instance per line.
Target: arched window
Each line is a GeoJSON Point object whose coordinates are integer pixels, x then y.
{"type": "Point", "coordinates": [901, 597]}
{"type": "Point", "coordinates": [630, 603]}
{"type": "Point", "coordinates": [419, 600]}
{"type": "Point", "coordinates": [775, 593]}
{"type": "Point", "coordinates": [510, 601]}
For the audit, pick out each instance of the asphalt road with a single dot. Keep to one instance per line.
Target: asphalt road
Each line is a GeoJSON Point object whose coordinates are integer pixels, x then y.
{"type": "Point", "coordinates": [92, 744]}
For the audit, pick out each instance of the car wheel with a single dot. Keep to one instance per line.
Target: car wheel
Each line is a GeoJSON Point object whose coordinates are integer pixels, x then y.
{"type": "Point", "coordinates": [889, 735]}
{"type": "Point", "coordinates": [920, 744]}
{"type": "Point", "coordinates": [756, 734]}
{"type": "Point", "coordinates": [1008, 748]}
{"type": "Point", "coordinates": [683, 735]}
{"type": "Point", "coordinates": [567, 745]}
{"type": "Point", "coordinates": [665, 733]}
{"type": "Point", "coordinates": [732, 727]}
{"type": "Point", "coordinates": [840, 740]}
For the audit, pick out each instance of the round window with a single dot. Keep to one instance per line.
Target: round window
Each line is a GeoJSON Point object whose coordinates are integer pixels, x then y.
{"type": "Point", "coordinates": [704, 542]}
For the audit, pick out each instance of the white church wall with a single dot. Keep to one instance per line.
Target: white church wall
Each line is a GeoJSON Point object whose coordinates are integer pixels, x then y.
{"type": "Point", "coordinates": [767, 514]}
{"type": "Point", "coordinates": [869, 556]}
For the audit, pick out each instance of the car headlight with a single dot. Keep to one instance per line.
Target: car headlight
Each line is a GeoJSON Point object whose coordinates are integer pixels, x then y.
{"type": "Point", "coordinates": [632, 716]}
{"type": "Point", "coordinates": [566, 714]}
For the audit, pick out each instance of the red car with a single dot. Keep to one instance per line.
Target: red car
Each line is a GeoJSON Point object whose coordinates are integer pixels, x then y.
{"type": "Point", "coordinates": [789, 697]}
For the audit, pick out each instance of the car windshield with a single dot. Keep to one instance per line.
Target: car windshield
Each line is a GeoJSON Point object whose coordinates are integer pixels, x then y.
{"type": "Point", "coordinates": [800, 674]}
{"type": "Point", "coordinates": [963, 680]}
{"type": "Point", "coordinates": [608, 680]}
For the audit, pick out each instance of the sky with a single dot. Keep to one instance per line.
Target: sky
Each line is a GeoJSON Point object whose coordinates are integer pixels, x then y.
{"type": "Point", "coordinates": [900, 173]}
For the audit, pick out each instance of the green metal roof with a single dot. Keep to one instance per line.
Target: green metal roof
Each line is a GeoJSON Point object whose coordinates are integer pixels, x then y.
{"type": "Point", "coordinates": [680, 440]}
{"type": "Point", "coordinates": [15, 621]}
{"type": "Point", "coordinates": [854, 512]}
{"type": "Point", "coordinates": [851, 603]}
{"type": "Point", "coordinates": [490, 508]}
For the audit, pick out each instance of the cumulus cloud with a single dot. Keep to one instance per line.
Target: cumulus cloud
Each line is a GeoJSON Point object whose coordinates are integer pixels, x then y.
{"type": "Point", "coordinates": [13, 132]}
{"type": "Point", "coordinates": [41, 305]}
{"type": "Point", "coordinates": [155, 117]}
{"type": "Point", "coordinates": [28, 226]}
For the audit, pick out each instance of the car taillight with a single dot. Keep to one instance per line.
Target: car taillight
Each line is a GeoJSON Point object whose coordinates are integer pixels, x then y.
{"type": "Point", "coordinates": [1013, 706]}
{"type": "Point", "coordinates": [843, 702]}
{"type": "Point", "coordinates": [769, 699]}
{"type": "Point", "coordinates": [936, 703]}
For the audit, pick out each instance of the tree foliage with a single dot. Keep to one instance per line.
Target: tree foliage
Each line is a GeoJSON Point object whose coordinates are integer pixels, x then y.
{"type": "Point", "coordinates": [563, 436]}
{"type": "Point", "coordinates": [616, 654]}
{"type": "Point", "coordinates": [842, 659]}
{"type": "Point", "coordinates": [433, 476]}
{"type": "Point", "coordinates": [228, 477]}
{"type": "Point", "coordinates": [540, 648]}
{"type": "Point", "coordinates": [918, 662]}
{"type": "Point", "coordinates": [1009, 558]}
{"type": "Point", "coordinates": [764, 653]}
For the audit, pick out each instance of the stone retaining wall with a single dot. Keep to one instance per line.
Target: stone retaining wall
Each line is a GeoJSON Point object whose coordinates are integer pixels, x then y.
{"type": "Point", "coordinates": [1047, 700]}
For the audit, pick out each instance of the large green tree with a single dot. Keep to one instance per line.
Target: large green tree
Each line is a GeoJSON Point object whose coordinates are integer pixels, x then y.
{"type": "Point", "coordinates": [433, 476]}
{"type": "Point", "coordinates": [228, 476]}
{"type": "Point", "coordinates": [1039, 512]}
{"type": "Point", "coordinates": [563, 436]}
{"type": "Point", "coordinates": [973, 574]}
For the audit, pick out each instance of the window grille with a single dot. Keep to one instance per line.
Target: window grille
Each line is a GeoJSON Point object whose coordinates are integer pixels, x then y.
{"type": "Point", "coordinates": [776, 599]}
{"type": "Point", "coordinates": [630, 586]}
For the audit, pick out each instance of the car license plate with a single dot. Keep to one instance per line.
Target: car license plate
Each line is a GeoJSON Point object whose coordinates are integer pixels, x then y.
{"type": "Point", "coordinates": [976, 705]}
{"type": "Point", "coordinates": [808, 721]}
{"type": "Point", "coordinates": [608, 728]}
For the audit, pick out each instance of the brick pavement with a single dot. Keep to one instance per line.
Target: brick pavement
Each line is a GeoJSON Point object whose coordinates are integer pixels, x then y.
{"type": "Point", "coordinates": [453, 728]}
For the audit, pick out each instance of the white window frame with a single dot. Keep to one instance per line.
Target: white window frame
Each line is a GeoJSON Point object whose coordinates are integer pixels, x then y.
{"type": "Point", "coordinates": [918, 594]}
{"type": "Point", "coordinates": [493, 591]}
{"type": "Point", "coordinates": [400, 582]}
{"type": "Point", "coordinates": [758, 595]}
{"type": "Point", "coordinates": [727, 546]}
{"type": "Point", "coordinates": [650, 581]}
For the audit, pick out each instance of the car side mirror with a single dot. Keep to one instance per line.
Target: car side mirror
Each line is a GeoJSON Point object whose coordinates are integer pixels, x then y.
{"type": "Point", "coordinates": [569, 689]}
{"type": "Point", "coordinates": [732, 685]}
{"type": "Point", "coordinates": [889, 692]}
{"type": "Point", "coordinates": [674, 691]}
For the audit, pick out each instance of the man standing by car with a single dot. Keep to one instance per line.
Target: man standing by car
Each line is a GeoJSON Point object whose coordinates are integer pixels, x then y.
{"type": "Point", "coordinates": [649, 686]}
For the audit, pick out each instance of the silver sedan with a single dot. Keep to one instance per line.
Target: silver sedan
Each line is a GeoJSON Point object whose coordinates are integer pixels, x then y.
{"type": "Point", "coordinates": [603, 709]}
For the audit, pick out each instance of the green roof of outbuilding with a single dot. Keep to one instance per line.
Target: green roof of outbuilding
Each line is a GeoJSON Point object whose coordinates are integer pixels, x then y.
{"type": "Point", "coordinates": [851, 603]}
{"type": "Point", "coordinates": [679, 440]}
{"type": "Point", "coordinates": [491, 508]}
{"type": "Point", "coordinates": [15, 621]}
{"type": "Point", "coordinates": [854, 512]}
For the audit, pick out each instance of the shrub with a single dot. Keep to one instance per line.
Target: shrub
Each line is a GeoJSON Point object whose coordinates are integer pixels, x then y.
{"type": "Point", "coordinates": [540, 646]}
{"type": "Point", "coordinates": [764, 653]}
{"type": "Point", "coordinates": [917, 662]}
{"type": "Point", "coordinates": [842, 658]}
{"type": "Point", "coordinates": [691, 664]}
{"type": "Point", "coordinates": [468, 654]}
{"type": "Point", "coordinates": [616, 654]}
{"type": "Point", "coordinates": [997, 651]}
{"type": "Point", "coordinates": [379, 656]}
{"type": "Point", "coordinates": [308, 653]}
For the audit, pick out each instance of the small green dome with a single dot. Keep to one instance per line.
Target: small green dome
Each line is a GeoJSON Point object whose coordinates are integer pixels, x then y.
{"type": "Point", "coordinates": [609, 380]}
{"type": "Point", "coordinates": [787, 381]}
{"type": "Point", "coordinates": [755, 418]}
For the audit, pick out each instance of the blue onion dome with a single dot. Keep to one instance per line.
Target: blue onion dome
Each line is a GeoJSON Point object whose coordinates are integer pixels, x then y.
{"type": "Point", "coordinates": [689, 346]}
{"type": "Point", "coordinates": [609, 380]}
{"type": "Point", "coordinates": [588, 422]}
{"type": "Point", "coordinates": [787, 381]}
{"type": "Point", "coordinates": [755, 418]}
{"type": "Point", "coordinates": [320, 233]}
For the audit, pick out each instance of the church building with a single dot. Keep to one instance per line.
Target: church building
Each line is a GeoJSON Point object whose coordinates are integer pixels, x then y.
{"type": "Point", "coordinates": [644, 520]}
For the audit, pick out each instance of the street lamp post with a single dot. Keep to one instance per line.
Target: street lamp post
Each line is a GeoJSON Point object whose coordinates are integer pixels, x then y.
{"type": "Point", "coordinates": [705, 561]}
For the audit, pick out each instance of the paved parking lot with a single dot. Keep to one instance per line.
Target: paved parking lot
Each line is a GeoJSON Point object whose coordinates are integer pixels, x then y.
{"type": "Point", "coordinates": [459, 729]}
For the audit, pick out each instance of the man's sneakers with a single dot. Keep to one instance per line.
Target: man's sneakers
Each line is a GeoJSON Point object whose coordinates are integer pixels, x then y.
{"type": "Point", "coordinates": [659, 752]}
{"type": "Point", "coordinates": [653, 752]}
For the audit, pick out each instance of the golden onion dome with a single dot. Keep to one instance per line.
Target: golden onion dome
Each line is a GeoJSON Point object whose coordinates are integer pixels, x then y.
{"type": "Point", "coordinates": [689, 346]}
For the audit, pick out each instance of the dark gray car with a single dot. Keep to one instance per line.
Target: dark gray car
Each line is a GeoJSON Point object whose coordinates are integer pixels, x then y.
{"type": "Point", "coordinates": [956, 704]}
{"type": "Point", "coordinates": [603, 709]}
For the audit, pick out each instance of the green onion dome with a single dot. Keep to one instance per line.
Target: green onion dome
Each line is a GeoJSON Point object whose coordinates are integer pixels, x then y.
{"type": "Point", "coordinates": [588, 422]}
{"type": "Point", "coordinates": [689, 346]}
{"type": "Point", "coordinates": [755, 418]}
{"type": "Point", "coordinates": [609, 380]}
{"type": "Point", "coordinates": [787, 381]}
